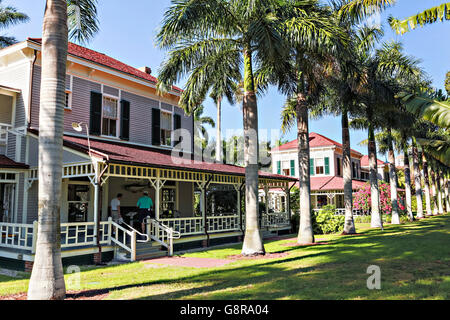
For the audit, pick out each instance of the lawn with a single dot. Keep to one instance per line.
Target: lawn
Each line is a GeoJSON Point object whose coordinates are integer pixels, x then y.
{"type": "Point", "coordinates": [414, 262]}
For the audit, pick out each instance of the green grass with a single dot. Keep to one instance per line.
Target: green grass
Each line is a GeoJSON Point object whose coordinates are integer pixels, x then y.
{"type": "Point", "coordinates": [414, 260]}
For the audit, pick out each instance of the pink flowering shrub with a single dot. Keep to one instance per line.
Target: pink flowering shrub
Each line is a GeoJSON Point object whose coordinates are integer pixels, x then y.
{"type": "Point", "coordinates": [362, 199]}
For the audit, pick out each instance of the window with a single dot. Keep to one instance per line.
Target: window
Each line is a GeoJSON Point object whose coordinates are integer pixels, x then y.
{"type": "Point", "coordinates": [78, 200]}
{"type": "Point", "coordinates": [286, 168]}
{"type": "Point", "coordinates": [109, 117]}
{"type": "Point", "coordinates": [168, 202]}
{"type": "Point", "coordinates": [354, 173]}
{"type": "Point", "coordinates": [338, 167]}
{"type": "Point", "coordinates": [68, 103]}
{"type": "Point", "coordinates": [166, 129]}
{"type": "Point", "coordinates": [320, 166]}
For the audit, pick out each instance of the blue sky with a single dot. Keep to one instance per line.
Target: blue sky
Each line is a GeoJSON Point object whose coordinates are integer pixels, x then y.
{"type": "Point", "coordinates": [128, 32]}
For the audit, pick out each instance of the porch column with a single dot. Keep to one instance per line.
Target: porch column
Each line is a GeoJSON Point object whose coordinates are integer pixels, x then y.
{"type": "Point", "coordinates": [288, 202]}
{"type": "Point", "coordinates": [203, 206]}
{"type": "Point", "coordinates": [96, 197]}
{"type": "Point", "coordinates": [266, 197]}
{"type": "Point", "coordinates": [157, 196]}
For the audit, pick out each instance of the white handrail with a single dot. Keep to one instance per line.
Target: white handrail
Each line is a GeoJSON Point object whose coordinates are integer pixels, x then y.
{"type": "Point", "coordinates": [137, 232]}
{"type": "Point", "coordinates": [123, 241]}
{"type": "Point", "coordinates": [162, 234]}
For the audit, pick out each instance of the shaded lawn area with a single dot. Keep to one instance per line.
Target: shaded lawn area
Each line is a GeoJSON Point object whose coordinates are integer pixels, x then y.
{"type": "Point", "coordinates": [414, 259]}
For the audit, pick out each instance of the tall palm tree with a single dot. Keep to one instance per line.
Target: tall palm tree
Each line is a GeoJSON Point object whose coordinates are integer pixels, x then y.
{"type": "Point", "coordinates": [417, 179]}
{"type": "Point", "coordinates": [426, 182]}
{"type": "Point", "coordinates": [200, 121]}
{"type": "Point", "coordinates": [9, 16]}
{"type": "Point", "coordinates": [201, 36]}
{"type": "Point", "coordinates": [47, 279]}
{"type": "Point", "coordinates": [311, 32]}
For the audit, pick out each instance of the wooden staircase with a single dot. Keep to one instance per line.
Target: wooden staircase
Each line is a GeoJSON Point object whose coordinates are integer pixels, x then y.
{"type": "Point", "coordinates": [144, 251]}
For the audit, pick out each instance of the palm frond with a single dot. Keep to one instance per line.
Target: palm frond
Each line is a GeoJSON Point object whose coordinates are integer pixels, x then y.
{"type": "Point", "coordinates": [429, 16]}
{"type": "Point", "coordinates": [82, 20]}
{"type": "Point", "coordinates": [357, 10]}
{"type": "Point", "coordinates": [426, 106]}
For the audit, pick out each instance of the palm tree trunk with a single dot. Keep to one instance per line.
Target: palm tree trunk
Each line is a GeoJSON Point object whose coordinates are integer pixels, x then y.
{"type": "Point", "coordinates": [426, 185]}
{"type": "Point", "coordinates": [219, 131]}
{"type": "Point", "coordinates": [439, 183]}
{"type": "Point", "coordinates": [407, 172]}
{"type": "Point", "coordinates": [47, 278]}
{"type": "Point", "coordinates": [446, 193]}
{"type": "Point", "coordinates": [349, 226]}
{"type": "Point", "coordinates": [417, 182]}
{"type": "Point", "coordinates": [393, 182]}
{"type": "Point", "coordinates": [253, 244]}
{"type": "Point", "coordinates": [434, 186]}
{"type": "Point", "coordinates": [376, 219]}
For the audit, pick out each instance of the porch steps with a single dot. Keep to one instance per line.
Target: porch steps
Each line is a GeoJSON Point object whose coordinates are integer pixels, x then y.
{"type": "Point", "coordinates": [145, 251]}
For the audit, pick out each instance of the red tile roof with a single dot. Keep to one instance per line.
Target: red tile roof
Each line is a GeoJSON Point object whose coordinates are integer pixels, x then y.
{"type": "Point", "coordinates": [107, 61]}
{"type": "Point", "coordinates": [331, 183]}
{"type": "Point", "coordinates": [6, 162]}
{"type": "Point", "coordinates": [146, 156]}
{"type": "Point", "coordinates": [365, 161]}
{"type": "Point", "coordinates": [315, 140]}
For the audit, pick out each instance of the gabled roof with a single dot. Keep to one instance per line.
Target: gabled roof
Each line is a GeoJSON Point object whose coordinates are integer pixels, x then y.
{"type": "Point", "coordinates": [8, 163]}
{"type": "Point", "coordinates": [365, 162]}
{"type": "Point", "coordinates": [122, 153]}
{"type": "Point", "coordinates": [315, 140]}
{"type": "Point", "coordinates": [107, 61]}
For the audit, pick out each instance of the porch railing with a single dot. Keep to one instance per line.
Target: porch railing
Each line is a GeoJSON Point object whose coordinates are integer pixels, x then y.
{"type": "Point", "coordinates": [341, 212]}
{"type": "Point", "coordinates": [17, 236]}
{"type": "Point", "coordinates": [126, 239]}
{"type": "Point", "coordinates": [223, 223]}
{"type": "Point", "coordinates": [162, 234]}
{"type": "Point", "coordinates": [4, 127]}
{"type": "Point", "coordinates": [275, 219]}
{"type": "Point", "coordinates": [185, 226]}
{"type": "Point", "coordinates": [82, 234]}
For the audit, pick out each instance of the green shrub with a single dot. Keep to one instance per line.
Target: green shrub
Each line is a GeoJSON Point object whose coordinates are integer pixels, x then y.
{"type": "Point", "coordinates": [326, 221]}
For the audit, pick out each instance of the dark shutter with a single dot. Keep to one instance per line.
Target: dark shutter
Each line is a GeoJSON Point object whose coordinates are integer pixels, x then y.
{"type": "Point", "coordinates": [125, 120]}
{"type": "Point", "coordinates": [95, 122]}
{"type": "Point", "coordinates": [156, 127]}
{"type": "Point", "coordinates": [311, 166]}
{"type": "Point", "coordinates": [177, 125]}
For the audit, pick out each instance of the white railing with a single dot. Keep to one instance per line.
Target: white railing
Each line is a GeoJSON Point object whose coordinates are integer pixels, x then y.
{"type": "Point", "coordinates": [185, 226]}
{"type": "Point", "coordinates": [82, 234]}
{"type": "Point", "coordinates": [124, 238]}
{"type": "Point", "coordinates": [17, 236]}
{"type": "Point", "coordinates": [222, 223]}
{"type": "Point", "coordinates": [275, 219]}
{"type": "Point", "coordinates": [341, 212]}
{"type": "Point", "coordinates": [4, 133]}
{"type": "Point", "coordinates": [162, 234]}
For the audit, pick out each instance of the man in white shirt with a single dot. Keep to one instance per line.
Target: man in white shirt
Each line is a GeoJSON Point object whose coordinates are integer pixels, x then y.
{"type": "Point", "coordinates": [115, 208]}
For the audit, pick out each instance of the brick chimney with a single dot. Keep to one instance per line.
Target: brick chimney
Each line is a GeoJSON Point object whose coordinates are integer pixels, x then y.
{"type": "Point", "coordinates": [147, 70]}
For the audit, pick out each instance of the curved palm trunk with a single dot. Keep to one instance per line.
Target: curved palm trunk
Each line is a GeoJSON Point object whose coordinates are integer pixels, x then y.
{"type": "Point", "coordinates": [219, 131]}
{"type": "Point", "coordinates": [427, 190]}
{"type": "Point", "coordinates": [393, 182]}
{"type": "Point", "coordinates": [407, 172]}
{"type": "Point", "coordinates": [417, 182]}
{"type": "Point", "coordinates": [376, 220]}
{"type": "Point", "coordinates": [349, 226]}
{"type": "Point", "coordinates": [434, 186]}
{"type": "Point", "coordinates": [253, 244]}
{"type": "Point", "coordinates": [47, 278]}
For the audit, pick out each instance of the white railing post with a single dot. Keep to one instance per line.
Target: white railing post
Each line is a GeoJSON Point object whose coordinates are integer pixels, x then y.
{"type": "Point", "coordinates": [35, 231]}
{"type": "Point", "coordinates": [109, 230]}
{"type": "Point", "coordinates": [133, 246]}
{"type": "Point", "coordinates": [170, 244]}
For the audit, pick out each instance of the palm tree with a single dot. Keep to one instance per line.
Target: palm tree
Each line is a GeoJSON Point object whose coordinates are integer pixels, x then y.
{"type": "Point", "coordinates": [200, 131]}
{"type": "Point", "coordinates": [426, 180]}
{"type": "Point", "coordinates": [9, 16]}
{"type": "Point", "coordinates": [47, 279]}
{"type": "Point", "coordinates": [417, 179]}
{"type": "Point", "coordinates": [202, 36]}
{"type": "Point", "coordinates": [311, 32]}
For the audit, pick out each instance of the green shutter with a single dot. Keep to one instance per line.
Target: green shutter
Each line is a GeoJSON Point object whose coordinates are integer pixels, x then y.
{"type": "Point", "coordinates": [279, 167]}
{"type": "Point", "coordinates": [293, 168]}
{"type": "Point", "coordinates": [156, 127]}
{"type": "Point", "coordinates": [311, 166]}
{"type": "Point", "coordinates": [95, 120]}
{"type": "Point", "coordinates": [327, 165]}
{"type": "Point", "coordinates": [125, 120]}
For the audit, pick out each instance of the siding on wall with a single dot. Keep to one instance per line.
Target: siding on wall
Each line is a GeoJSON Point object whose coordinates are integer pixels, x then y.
{"type": "Point", "coordinates": [185, 198]}
{"type": "Point", "coordinates": [140, 108]}
{"type": "Point", "coordinates": [19, 194]}
{"type": "Point", "coordinates": [17, 77]}
{"type": "Point", "coordinates": [6, 109]}
{"type": "Point", "coordinates": [140, 117]}
{"type": "Point", "coordinates": [32, 205]}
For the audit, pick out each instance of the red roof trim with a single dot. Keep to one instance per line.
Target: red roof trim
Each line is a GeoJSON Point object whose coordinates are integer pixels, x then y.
{"type": "Point", "coordinates": [8, 163]}
{"type": "Point", "coordinates": [107, 61]}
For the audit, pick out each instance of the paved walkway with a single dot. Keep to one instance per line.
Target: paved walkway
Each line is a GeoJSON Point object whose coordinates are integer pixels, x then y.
{"type": "Point", "coordinates": [190, 262]}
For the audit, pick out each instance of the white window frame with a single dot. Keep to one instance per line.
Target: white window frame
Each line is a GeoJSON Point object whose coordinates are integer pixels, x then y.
{"type": "Point", "coordinates": [68, 105]}
{"type": "Point", "coordinates": [108, 96]}
{"type": "Point", "coordinates": [171, 124]}
{"type": "Point", "coordinates": [316, 166]}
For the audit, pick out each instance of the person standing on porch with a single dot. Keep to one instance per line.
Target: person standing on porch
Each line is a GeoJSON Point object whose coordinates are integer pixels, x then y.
{"type": "Point", "coordinates": [144, 205]}
{"type": "Point", "coordinates": [115, 208]}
